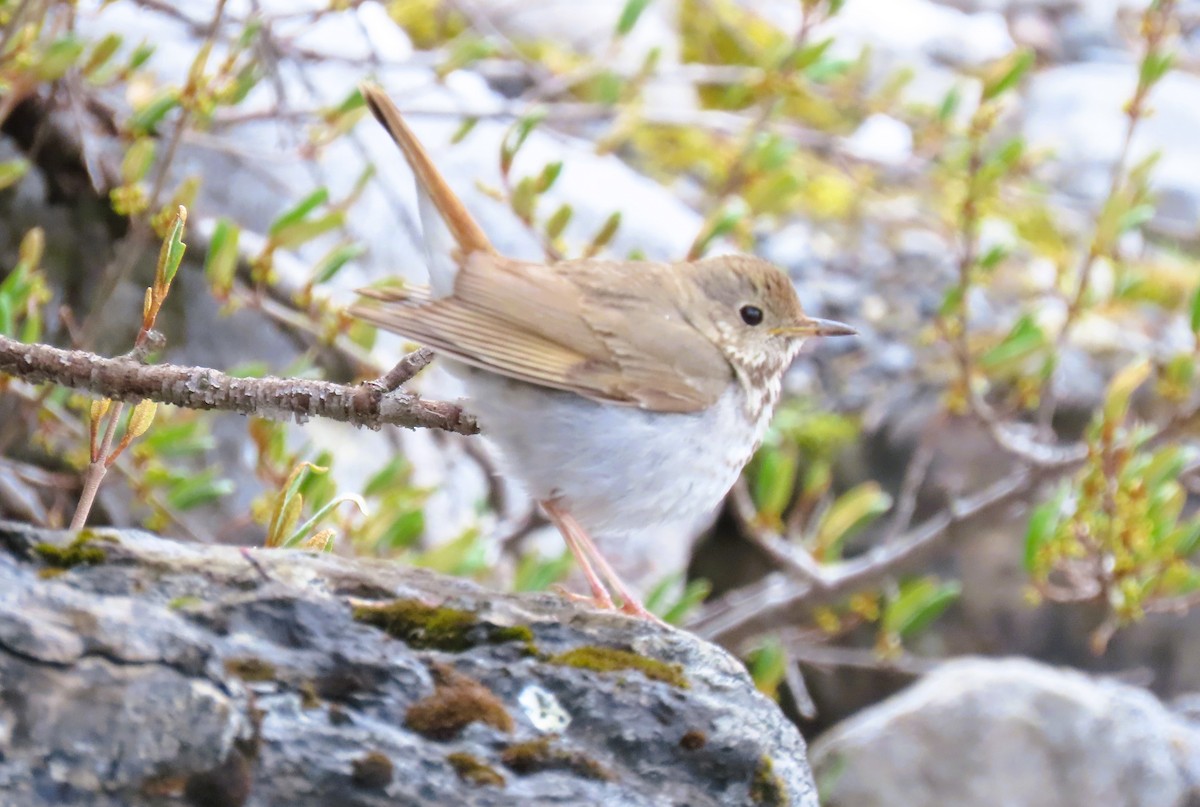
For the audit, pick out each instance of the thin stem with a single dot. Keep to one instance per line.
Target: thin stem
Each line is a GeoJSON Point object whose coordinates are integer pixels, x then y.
{"type": "Point", "coordinates": [96, 470]}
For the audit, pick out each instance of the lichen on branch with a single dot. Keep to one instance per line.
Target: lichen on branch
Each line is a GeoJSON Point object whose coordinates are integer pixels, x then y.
{"type": "Point", "coordinates": [371, 404]}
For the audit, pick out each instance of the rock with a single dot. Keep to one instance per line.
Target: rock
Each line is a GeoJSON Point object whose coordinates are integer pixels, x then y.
{"type": "Point", "coordinates": [919, 30]}
{"type": "Point", "coordinates": [138, 670]}
{"type": "Point", "coordinates": [881, 139]}
{"type": "Point", "coordinates": [1004, 732]}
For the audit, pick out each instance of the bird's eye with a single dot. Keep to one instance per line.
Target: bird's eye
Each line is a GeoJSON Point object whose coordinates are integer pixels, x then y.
{"type": "Point", "coordinates": [751, 314]}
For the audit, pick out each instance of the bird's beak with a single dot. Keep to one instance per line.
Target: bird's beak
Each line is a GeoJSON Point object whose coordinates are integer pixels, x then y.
{"type": "Point", "coordinates": [810, 326]}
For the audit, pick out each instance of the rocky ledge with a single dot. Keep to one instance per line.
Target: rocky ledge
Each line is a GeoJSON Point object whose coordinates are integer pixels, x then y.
{"type": "Point", "coordinates": [136, 670]}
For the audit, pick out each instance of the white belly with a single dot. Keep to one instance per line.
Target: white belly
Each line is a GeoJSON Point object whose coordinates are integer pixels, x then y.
{"type": "Point", "coordinates": [616, 469]}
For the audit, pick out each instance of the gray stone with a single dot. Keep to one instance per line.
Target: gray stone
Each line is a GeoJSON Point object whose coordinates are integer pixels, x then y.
{"type": "Point", "coordinates": [1007, 732]}
{"type": "Point", "coordinates": [136, 669]}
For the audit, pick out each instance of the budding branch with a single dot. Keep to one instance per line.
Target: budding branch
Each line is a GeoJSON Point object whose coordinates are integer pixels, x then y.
{"type": "Point", "coordinates": [371, 404]}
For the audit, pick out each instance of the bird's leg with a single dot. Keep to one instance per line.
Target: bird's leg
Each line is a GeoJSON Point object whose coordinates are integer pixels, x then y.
{"type": "Point", "coordinates": [578, 541]}
{"type": "Point", "coordinates": [630, 604]}
{"type": "Point", "coordinates": [590, 559]}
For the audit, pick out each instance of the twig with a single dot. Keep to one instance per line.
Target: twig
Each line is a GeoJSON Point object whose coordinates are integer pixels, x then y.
{"type": "Point", "coordinates": [799, 647]}
{"type": "Point", "coordinates": [777, 599]}
{"type": "Point", "coordinates": [405, 369]}
{"type": "Point", "coordinates": [914, 478]}
{"type": "Point", "coordinates": [203, 388]}
{"type": "Point", "coordinates": [796, 561]}
{"type": "Point", "coordinates": [1155, 30]}
{"type": "Point", "coordinates": [96, 470]}
{"type": "Point", "coordinates": [784, 598]}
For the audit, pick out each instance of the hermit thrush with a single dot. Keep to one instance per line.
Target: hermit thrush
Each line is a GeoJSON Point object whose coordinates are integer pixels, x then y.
{"type": "Point", "coordinates": [623, 394]}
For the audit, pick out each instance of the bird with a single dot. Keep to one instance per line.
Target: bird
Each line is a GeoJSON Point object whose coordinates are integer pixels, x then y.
{"type": "Point", "coordinates": [624, 395]}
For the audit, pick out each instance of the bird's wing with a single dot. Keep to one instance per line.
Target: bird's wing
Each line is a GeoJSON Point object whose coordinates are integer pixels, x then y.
{"type": "Point", "coordinates": [574, 326]}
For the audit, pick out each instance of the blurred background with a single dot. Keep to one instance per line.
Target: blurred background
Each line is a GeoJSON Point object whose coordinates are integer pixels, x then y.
{"type": "Point", "coordinates": [1002, 196]}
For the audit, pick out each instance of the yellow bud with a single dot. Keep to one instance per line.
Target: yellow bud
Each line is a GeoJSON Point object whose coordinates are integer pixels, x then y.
{"type": "Point", "coordinates": [142, 417]}
{"type": "Point", "coordinates": [99, 409]}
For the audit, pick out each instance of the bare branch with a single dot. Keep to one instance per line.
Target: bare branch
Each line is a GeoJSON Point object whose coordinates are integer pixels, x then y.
{"type": "Point", "coordinates": [405, 369]}
{"type": "Point", "coordinates": [777, 599]}
{"type": "Point", "coordinates": [202, 388]}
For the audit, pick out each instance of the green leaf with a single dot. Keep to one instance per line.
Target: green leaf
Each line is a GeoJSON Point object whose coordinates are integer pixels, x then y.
{"type": "Point", "coordinates": [630, 14]}
{"type": "Point", "coordinates": [604, 236]}
{"type": "Point", "coordinates": [548, 176]}
{"type": "Point", "coordinates": [1162, 467]}
{"type": "Point", "coordinates": [302, 232]}
{"type": "Point", "coordinates": [516, 136]}
{"type": "Point", "coordinates": [1122, 387]}
{"type": "Point", "coordinates": [850, 512]}
{"type": "Point", "coordinates": [1135, 217]}
{"type": "Point", "coordinates": [100, 54]}
{"type": "Point", "coordinates": [560, 218]}
{"type": "Point", "coordinates": [172, 253]}
{"type": "Point", "coordinates": [12, 171]}
{"type": "Point", "coordinates": [335, 259]}
{"type": "Point", "coordinates": [299, 211]}
{"type": "Point", "coordinates": [657, 597]}
{"type": "Point", "coordinates": [950, 103]}
{"type": "Point", "coordinates": [298, 534]}
{"type": "Point", "coordinates": [1010, 72]}
{"type": "Point", "coordinates": [464, 129]}
{"type": "Point", "coordinates": [768, 666]}
{"type": "Point", "coordinates": [199, 489]}
{"type": "Point", "coordinates": [464, 52]}
{"type": "Point", "coordinates": [280, 514]}
{"type": "Point", "coordinates": [810, 54]}
{"type": "Point", "coordinates": [1024, 340]}
{"type": "Point", "coordinates": [8, 323]}
{"type": "Point", "coordinates": [952, 302]}
{"type": "Point", "coordinates": [535, 573]}
{"type": "Point", "coordinates": [775, 481]}
{"type": "Point", "coordinates": [725, 223]}
{"type": "Point", "coordinates": [221, 262]}
{"type": "Point", "coordinates": [145, 121]}
{"type": "Point", "coordinates": [1043, 524]}
{"type": "Point", "coordinates": [524, 199]}
{"type": "Point", "coordinates": [992, 258]}
{"type": "Point", "coordinates": [402, 532]}
{"type": "Point", "coordinates": [138, 160]}
{"type": "Point", "coordinates": [1154, 66]}
{"type": "Point", "coordinates": [1195, 318]}
{"type": "Point", "coordinates": [919, 602]}
{"type": "Point", "coordinates": [694, 593]}
{"type": "Point", "coordinates": [141, 54]}
{"type": "Point", "coordinates": [606, 87]}
{"type": "Point", "coordinates": [1187, 539]}
{"type": "Point", "coordinates": [465, 555]}
{"type": "Point", "coordinates": [393, 475]}
{"type": "Point", "coordinates": [58, 58]}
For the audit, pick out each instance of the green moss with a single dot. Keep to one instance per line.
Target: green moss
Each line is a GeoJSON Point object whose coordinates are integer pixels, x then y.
{"type": "Point", "coordinates": [80, 552]}
{"type": "Point", "coordinates": [542, 754]}
{"type": "Point", "coordinates": [309, 699]}
{"type": "Point", "coordinates": [693, 740]}
{"type": "Point", "coordinates": [429, 627]}
{"type": "Point", "coordinates": [373, 770]}
{"type": "Point", "coordinates": [611, 659]}
{"type": "Point", "coordinates": [457, 701]}
{"type": "Point", "coordinates": [250, 669]}
{"type": "Point", "coordinates": [766, 787]}
{"type": "Point", "coordinates": [184, 602]}
{"type": "Point", "coordinates": [473, 770]}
